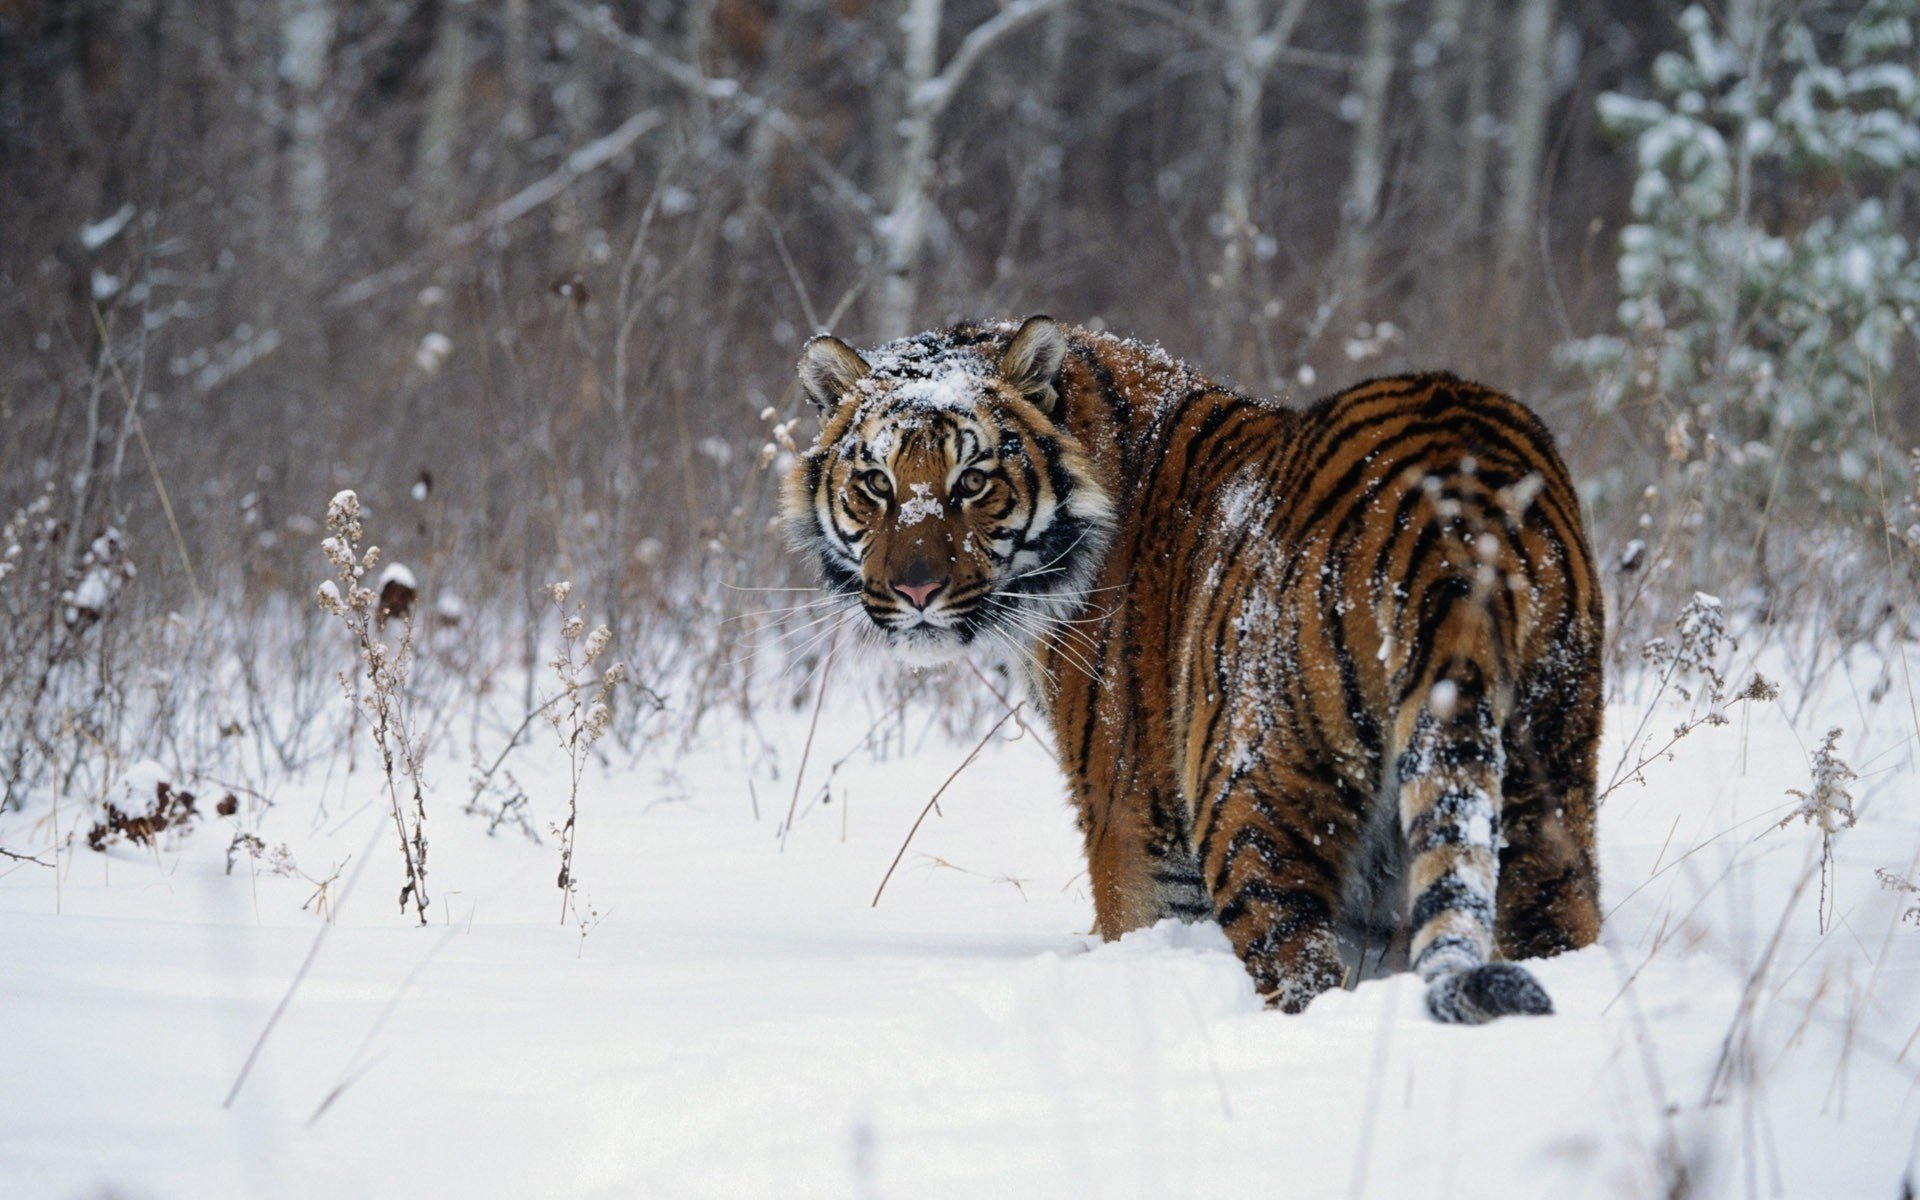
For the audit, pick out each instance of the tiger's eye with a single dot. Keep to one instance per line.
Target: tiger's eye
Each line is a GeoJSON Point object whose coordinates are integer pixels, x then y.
{"type": "Point", "coordinates": [877, 482]}
{"type": "Point", "coordinates": [972, 482]}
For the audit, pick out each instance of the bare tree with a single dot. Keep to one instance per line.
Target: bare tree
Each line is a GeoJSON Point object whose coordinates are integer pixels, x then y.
{"type": "Point", "coordinates": [436, 168]}
{"type": "Point", "coordinates": [1527, 123]}
{"type": "Point", "coordinates": [1373, 79]}
{"type": "Point", "coordinates": [517, 70]}
{"type": "Point", "coordinates": [927, 88]}
{"type": "Point", "coordinates": [1257, 37]}
{"type": "Point", "coordinates": [307, 38]}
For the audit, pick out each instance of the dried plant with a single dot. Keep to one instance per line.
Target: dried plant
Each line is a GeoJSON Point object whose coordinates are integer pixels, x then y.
{"type": "Point", "coordinates": [1700, 639]}
{"type": "Point", "coordinates": [1759, 688]}
{"type": "Point", "coordinates": [62, 697]}
{"type": "Point", "coordinates": [385, 669]}
{"type": "Point", "coordinates": [579, 719]}
{"type": "Point", "coordinates": [1827, 804]}
{"type": "Point", "coordinates": [1905, 524]}
{"type": "Point", "coordinates": [1897, 883]}
{"type": "Point", "coordinates": [1690, 664]}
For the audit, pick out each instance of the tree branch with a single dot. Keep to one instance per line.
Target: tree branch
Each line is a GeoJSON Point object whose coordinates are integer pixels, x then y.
{"type": "Point", "coordinates": [938, 92]}
{"type": "Point", "coordinates": [722, 88]}
{"type": "Point", "coordinates": [583, 161]}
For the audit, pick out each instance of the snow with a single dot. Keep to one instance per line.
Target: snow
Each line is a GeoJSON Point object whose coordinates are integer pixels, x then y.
{"type": "Point", "coordinates": [99, 233]}
{"type": "Point", "coordinates": [94, 590]}
{"type": "Point", "coordinates": [136, 788]}
{"type": "Point", "coordinates": [742, 1022]}
{"type": "Point", "coordinates": [921, 505]}
{"type": "Point", "coordinates": [397, 572]}
{"type": "Point", "coordinates": [432, 352]}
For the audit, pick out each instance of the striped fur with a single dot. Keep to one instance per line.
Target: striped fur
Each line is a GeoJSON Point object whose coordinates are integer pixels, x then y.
{"type": "Point", "coordinates": [1331, 675]}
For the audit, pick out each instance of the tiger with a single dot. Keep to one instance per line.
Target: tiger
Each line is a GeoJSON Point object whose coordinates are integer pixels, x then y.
{"type": "Point", "coordinates": [1329, 676]}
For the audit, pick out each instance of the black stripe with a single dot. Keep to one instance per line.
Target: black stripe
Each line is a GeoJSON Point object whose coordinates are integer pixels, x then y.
{"type": "Point", "coordinates": [1292, 909]}
{"type": "Point", "coordinates": [1451, 894]}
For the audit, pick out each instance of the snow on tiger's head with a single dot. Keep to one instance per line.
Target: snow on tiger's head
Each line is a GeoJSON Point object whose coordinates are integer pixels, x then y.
{"type": "Point", "coordinates": [945, 490]}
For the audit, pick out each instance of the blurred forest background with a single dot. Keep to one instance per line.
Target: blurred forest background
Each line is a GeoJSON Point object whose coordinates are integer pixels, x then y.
{"type": "Point", "coordinates": [531, 277]}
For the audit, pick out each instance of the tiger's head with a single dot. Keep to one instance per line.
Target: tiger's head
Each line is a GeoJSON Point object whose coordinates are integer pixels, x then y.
{"type": "Point", "coordinates": [945, 490]}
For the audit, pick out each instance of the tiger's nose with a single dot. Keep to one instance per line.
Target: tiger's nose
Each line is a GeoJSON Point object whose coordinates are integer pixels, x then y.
{"type": "Point", "coordinates": [917, 584]}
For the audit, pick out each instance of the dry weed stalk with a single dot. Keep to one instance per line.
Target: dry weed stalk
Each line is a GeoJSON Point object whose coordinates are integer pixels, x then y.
{"type": "Point", "coordinates": [1888, 880]}
{"type": "Point", "coordinates": [1701, 640]}
{"type": "Point", "coordinates": [62, 698]}
{"type": "Point", "coordinates": [386, 669]}
{"type": "Point", "coordinates": [1827, 804]}
{"type": "Point", "coordinates": [580, 720]}
{"type": "Point", "coordinates": [933, 803]}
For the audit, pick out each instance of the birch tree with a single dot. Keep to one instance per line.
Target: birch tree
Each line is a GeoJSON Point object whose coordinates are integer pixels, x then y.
{"type": "Point", "coordinates": [434, 167]}
{"type": "Point", "coordinates": [1527, 123]}
{"type": "Point", "coordinates": [927, 88]}
{"type": "Point", "coordinates": [1479, 121]}
{"type": "Point", "coordinates": [1257, 38]}
{"type": "Point", "coordinates": [1362, 208]}
{"type": "Point", "coordinates": [306, 36]}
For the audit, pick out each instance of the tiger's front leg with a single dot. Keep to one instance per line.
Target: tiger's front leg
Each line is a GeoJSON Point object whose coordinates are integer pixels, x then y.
{"type": "Point", "coordinates": [1273, 845]}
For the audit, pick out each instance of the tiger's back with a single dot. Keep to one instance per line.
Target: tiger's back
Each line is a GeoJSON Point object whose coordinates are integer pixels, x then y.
{"type": "Point", "coordinates": [1336, 678]}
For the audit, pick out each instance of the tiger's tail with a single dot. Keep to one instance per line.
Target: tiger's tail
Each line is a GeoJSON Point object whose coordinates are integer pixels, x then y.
{"type": "Point", "coordinates": [1455, 695]}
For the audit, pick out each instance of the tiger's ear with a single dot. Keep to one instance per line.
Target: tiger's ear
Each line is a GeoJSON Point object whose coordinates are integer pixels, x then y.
{"type": "Point", "coordinates": [828, 370]}
{"type": "Point", "coordinates": [1033, 360]}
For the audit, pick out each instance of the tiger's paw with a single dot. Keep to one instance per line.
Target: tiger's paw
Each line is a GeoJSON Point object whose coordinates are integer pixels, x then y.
{"type": "Point", "coordinates": [1476, 995]}
{"type": "Point", "coordinates": [1310, 969]}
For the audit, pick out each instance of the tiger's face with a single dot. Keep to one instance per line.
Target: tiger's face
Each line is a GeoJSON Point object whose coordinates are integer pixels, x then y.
{"type": "Point", "coordinates": [944, 492]}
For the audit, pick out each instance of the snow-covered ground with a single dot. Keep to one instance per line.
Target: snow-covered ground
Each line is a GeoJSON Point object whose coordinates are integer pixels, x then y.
{"type": "Point", "coordinates": [743, 1022]}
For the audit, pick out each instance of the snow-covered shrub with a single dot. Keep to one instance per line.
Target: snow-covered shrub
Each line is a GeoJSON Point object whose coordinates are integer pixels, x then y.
{"type": "Point", "coordinates": [1769, 280]}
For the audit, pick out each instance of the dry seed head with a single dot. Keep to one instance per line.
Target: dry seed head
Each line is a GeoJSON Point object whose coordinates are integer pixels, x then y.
{"type": "Point", "coordinates": [598, 715]}
{"type": "Point", "coordinates": [343, 514]}
{"type": "Point", "coordinates": [597, 641]}
{"type": "Point", "coordinates": [328, 595]}
{"type": "Point", "coordinates": [1828, 803]}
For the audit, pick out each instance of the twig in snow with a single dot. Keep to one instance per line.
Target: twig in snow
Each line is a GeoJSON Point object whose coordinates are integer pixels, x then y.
{"type": "Point", "coordinates": [353, 1073]}
{"type": "Point", "coordinates": [819, 699]}
{"type": "Point", "coordinates": [935, 800]}
{"type": "Point", "coordinates": [299, 976]}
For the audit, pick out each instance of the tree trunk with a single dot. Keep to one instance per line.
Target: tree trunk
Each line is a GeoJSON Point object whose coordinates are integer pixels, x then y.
{"type": "Point", "coordinates": [435, 169]}
{"type": "Point", "coordinates": [1440, 123]}
{"type": "Point", "coordinates": [517, 124]}
{"type": "Point", "coordinates": [1369, 155]}
{"type": "Point", "coordinates": [1246, 88]}
{"type": "Point", "coordinates": [1533, 44]}
{"type": "Point", "coordinates": [306, 37]}
{"type": "Point", "coordinates": [1478, 120]}
{"type": "Point", "coordinates": [903, 229]}
{"type": "Point", "coordinates": [1259, 43]}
